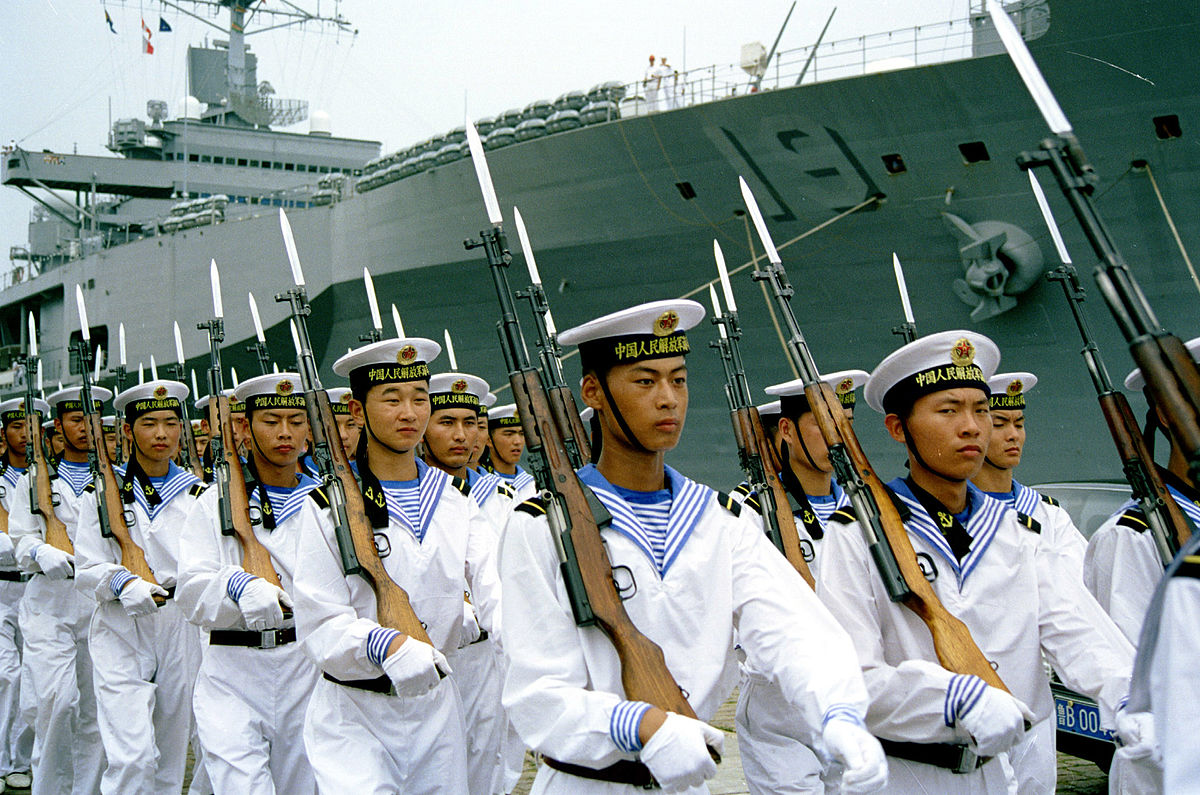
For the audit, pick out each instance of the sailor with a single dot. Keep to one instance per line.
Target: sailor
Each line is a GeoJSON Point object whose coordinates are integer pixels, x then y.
{"type": "Point", "coordinates": [775, 747]}
{"type": "Point", "coordinates": [16, 736]}
{"type": "Point", "coordinates": [694, 570]}
{"type": "Point", "coordinates": [481, 421]}
{"type": "Point", "coordinates": [651, 85]}
{"type": "Point", "coordinates": [254, 682]}
{"type": "Point", "coordinates": [981, 557]}
{"type": "Point", "coordinates": [506, 443]}
{"type": "Point", "coordinates": [57, 673]}
{"type": "Point", "coordinates": [53, 440]}
{"type": "Point", "coordinates": [382, 718]}
{"type": "Point", "coordinates": [348, 430]}
{"type": "Point", "coordinates": [1059, 536]}
{"type": "Point", "coordinates": [1122, 565]}
{"type": "Point", "coordinates": [450, 437]}
{"type": "Point", "coordinates": [144, 655]}
{"type": "Point", "coordinates": [108, 424]}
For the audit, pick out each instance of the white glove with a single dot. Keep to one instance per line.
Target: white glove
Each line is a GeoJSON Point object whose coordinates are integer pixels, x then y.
{"type": "Point", "coordinates": [414, 667]}
{"type": "Point", "coordinates": [6, 547]}
{"type": "Point", "coordinates": [1136, 732]}
{"type": "Point", "coordinates": [261, 602]}
{"type": "Point", "coordinates": [138, 597]}
{"type": "Point", "coordinates": [54, 563]}
{"type": "Point", "coordinates": [996, 722]}
{"type": "Point", "coordinates": [860, 754]}
{"type": "Point", "coordinates": [677, 754]}
{"type": "Point", "coordinates": [470, 626]}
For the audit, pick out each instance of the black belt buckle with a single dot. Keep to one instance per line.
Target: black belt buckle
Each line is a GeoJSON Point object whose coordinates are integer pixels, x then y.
{"type": "Point", "coordinates": [968, 761]}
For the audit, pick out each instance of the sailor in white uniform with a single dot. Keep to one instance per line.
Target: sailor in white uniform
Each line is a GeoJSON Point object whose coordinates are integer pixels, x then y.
{"type": "Point", "coordinates": [776, 750]}
{"type": "Point", "coordinates": [694, 570]}
{"type": "Point", "coordinates": [940, 728]}
{"type": "Point", "coordinates": [382, 718]}
{"type": "Point", "coordinates": [144, 655]}
{"type": "Point", "coordinates": [68, 756]}
{"type": "Point", "coordinates": [1059, 537]}
{"type": "Point", "coordinates": [254, 682]}
{"type": "Point", "coordinates": [449, 440]}
{"type": "Point", "coordinates": [506, 442]}
{"type": "Point", "coordinates": [16, 735]}
{"type": "Point", "coordinates": [348, 430]}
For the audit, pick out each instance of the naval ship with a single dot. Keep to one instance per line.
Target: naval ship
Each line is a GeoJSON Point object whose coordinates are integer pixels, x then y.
{"type": "Point", "coordinates": [903, 142]}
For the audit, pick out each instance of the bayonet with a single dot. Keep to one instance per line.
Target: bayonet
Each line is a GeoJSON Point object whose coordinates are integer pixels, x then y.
{"type": "Point", "coordinates": [376, 332]}
{"type": "Point", "coordinates": [259, 348]}
{"type": "Point", "coordinates": [908, 329]}
{"type": "Point", "coordinates": [396, 322]}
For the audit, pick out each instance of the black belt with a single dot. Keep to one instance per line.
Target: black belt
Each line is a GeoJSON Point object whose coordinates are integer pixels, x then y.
{"type": "Point", "coordinates": [266, 639]}
{"type": "Point", "coordinates": [170, 591]}
{"type": "Point", "coordinates": [15, 576]}
{"type": "Point", "coordinates": [381, 684]}
{"type": "Point", "coordinates": [635, 774]}
{"type": "Point", "coordinates": [950, 756]}
{"type": "Point", "coordinates": [483, 635]}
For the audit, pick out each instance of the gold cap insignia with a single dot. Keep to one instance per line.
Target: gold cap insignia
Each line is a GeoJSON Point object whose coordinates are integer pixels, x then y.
{"type": "Point", "coordinates": [963, 352]}
{"type": "Point", "coordinates": [160, 392]}
{"type": "Point", "coordinates": [666, 323]}
{"type": "Point", "coordinates": [407, 355]}
{"type": "Point", "coordinates": [1015, 387]}
{"type": "Point", "coordinates": [459, 386]}
{"type": "Point", "coordinates": [347, 397]}
{"type": "Point", "coordinates": [285, 387]}
{"type": "Point", "coordinates": [845, 386]}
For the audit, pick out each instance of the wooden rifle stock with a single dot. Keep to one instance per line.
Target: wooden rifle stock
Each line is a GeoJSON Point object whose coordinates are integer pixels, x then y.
{"type": "Point", "coordinates": [1142, 475]}
{"type": "Point", "coordinates": [132, 556]}
{"type": "Point", "coordinates": [1173, 378]}
{"type": "Point", "coordinates": [566, 414]}
{"type": "Point", "coordinates": [752, 439]}
{"type": "Point", "coordinates": [188, 442]}
{"type": "Point", "coordinates": [56, 532]}
{"type": "Point", "coordinates": [255, 558]}
{"type": "Point", "coordinates": [952, 642]}
{"type": "Point", "coordinates": [644, 672]}
{"type": "Point", "coordinates": [393, 607]}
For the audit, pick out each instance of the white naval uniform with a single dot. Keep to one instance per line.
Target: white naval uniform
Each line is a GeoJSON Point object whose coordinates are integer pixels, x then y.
{"type": "Point", "coordinates": [68, 756]}
{"type": "Point", "coordinates": [1017, 606]}
{"type": "Point", "coordinates": [366, 742]}
{"type": "Point", "coordinates": [249, 702]}
{"type": "Point", "coordinates": [16, 735]}
{"type": "Point", "coordinates": [1059, 537]}
{"type": "Point", "coordinates": [775, 747]}
{"type": "Point", "coordinates": [522, 484]}
{"type": "Point", "coordinates": [143, 668]}
{"type": "Point", "coordinates": [720, 576]}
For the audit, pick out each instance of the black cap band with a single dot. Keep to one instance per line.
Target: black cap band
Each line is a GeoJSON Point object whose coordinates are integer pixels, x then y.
{"type": "Point", "coordinates": [64, 406]}
{"type": "Point", "coordinates": [608, 352]}
{"type": "Point", "coordinates": [1005, 402]}
{"type": "Point", "coordinates": [137, 408]}
{"type": "Point", "coordinates": [936, 379]}
{"type": "Point", "coordinates": [363, 378]}
{"type": "Point", "coordinates": [261, 402]}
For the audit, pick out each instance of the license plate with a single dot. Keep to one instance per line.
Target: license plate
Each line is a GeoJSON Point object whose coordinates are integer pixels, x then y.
{"type": "Point", "coordinates": [1079, 717]}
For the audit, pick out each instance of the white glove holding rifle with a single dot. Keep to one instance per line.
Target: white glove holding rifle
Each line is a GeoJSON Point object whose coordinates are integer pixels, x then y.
{"type": "Point", "coordinates": [54, 563]}
{"type": "Point", "coordinates": [262, 604]}
{"type": "Point", "coordinates": [864, 765]}
{"type": "Point", "coordinates": [677, 753]}
{"type": "Point", "coordinates": [138, 597]}
{"type": "Point", "coordinates": [415, 667]}
{"type": "Point", "coordinates": [994, 719]}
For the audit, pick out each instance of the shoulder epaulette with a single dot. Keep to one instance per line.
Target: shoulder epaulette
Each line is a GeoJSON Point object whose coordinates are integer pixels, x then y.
{"type": "Point", "coordinates": [729, 503]}
{"type": "Point", "coordinates": [533, 506]}
{"type": "Point", "coordinates": [844, 515]}
{"type": "Point", "coordinates": [505, 491]}
{"type": "Point", "coordinates": [1029, 523]}
{"type": "Point", "coordinates": [90, 488]}
{"type": "Point", "coordinates": [1135, 520]}
{"type": "Point", "coordinates": [749, 496]}
{"type": "Point", "coordinates": [1046, 498]}
{"type": "Point", "coordinates": [1190, 567]}
{"type": "Point", "coordinates": [196, 489]}
{"type": "Point", "coordinates": [319, 497]}
{"type": "Point", "coordinates": [462, 485]}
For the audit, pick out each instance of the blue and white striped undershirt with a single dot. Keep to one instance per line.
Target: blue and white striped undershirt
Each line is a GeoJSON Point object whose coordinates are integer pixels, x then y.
{"type": "Point", "coordinates": [824, 506]}
{"type": "Point", "coordinates": [405, 496]}
{"type": "Point", "coordinates": [651, 508]}
{"type": "Point", "coordinates": [77, 475]}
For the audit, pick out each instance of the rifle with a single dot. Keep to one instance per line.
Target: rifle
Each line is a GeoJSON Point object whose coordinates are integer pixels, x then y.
{"type": "Point", "coordinates": [1172, 376]}
{"type": "Point", "coordinates": [907, 330]}
{"type": "Point", "coordinates": [187, 438]}
{"type": "Point", "coordinates": [886, 537]}
{"type": "Point", "coordinates": [355, 536]}
{"type": "Point", "coordinates": [113, 523]}
{"type": "Point", "coordinates": [233, 506]}
{"type": "Point", "coordinates": [1168, 526]}
{"type": "Point", "coordinates": [42, 498]}
{"type": "Point", "coordinates": [575, 514]}
{"type": "Point", "coordinates": [376, 332]}
{"type": "Point", "coordinates": [562, 399]}
{"type": "Point", "coordinates": [259, 347]}
{"type": "Point", "coordinates": [120, 372]}
{"type": "Point", "coordinates": [755, 451]}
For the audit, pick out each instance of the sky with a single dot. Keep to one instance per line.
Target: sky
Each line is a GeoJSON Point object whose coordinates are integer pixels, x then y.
{"type": "Point", "coordinates": [412, 70]}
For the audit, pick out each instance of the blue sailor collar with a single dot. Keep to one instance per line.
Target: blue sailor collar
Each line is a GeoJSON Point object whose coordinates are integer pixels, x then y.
{"type": "Point", "coordinates": [286, 502]}
{"type": "Point", "coordinates": [176, 482]}
{"type": "Point", "coordinates": [688, 501]}
{"type": "Point", "coordinates": [75, 474]}
{"type": "Point", "coordinates": [430, 484]}
{"type": "Point", "coordinates": [984, 516]}
{"type": "Point", "coordinates": [483, 485]}
{"type": "Point", "coordinates": [10, 474]}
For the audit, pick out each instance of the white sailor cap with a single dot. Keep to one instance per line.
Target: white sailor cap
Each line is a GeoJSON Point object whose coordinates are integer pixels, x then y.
{"type": "Point", "coordinates": [793, 402]}
{"type": "Point", "coordinates": [656, 330]}
{"type": "Point", "coordinates": [271, 391]}
{"type": "Point", "coordinates": [13, 409]}
{"type": "Point", "coordinates": [485, 405]}
{"type": "Point", "coordinates": [387, 362]}
{"type": "Point", "coordinates": [945, 360]}
{"type": "Point", "coordinates": [456, 391]}
{"type": "Point", "coordinates": [1008, 390]}
{"type": "Point", "coordinates": [48, 425]}
{"type": "Point", "coordinates": [770, 411]}
{"type": "Point", "coordinates": [339, 399]}
{"type": "Point", "coordinates": [71, 399]}
{"type": "Point", "coordinates": [197, 426]}
{"type": "Point", "coordinates": [160, 395]}
{"type": "Point", "coordinates": [1136, 381]}
{"type": "Point", "coordinates": [202, 403]}
{"type": "Point", "coordinates": [109, 422]}
{"type": "Point", "coordinates": [504, 416]}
